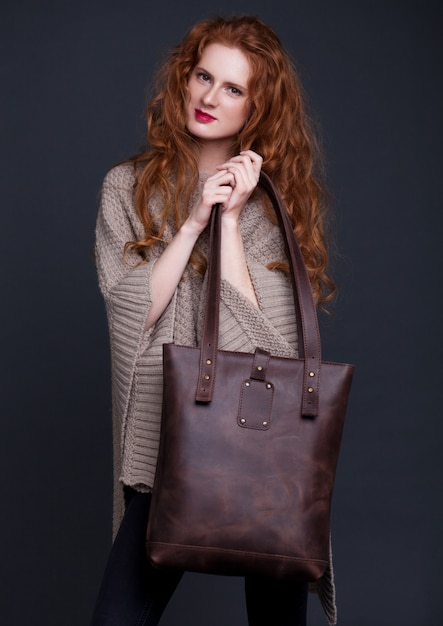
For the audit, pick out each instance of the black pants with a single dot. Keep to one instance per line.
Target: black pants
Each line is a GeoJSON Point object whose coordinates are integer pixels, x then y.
{"type": "Point", "coordinates": [135, 594]}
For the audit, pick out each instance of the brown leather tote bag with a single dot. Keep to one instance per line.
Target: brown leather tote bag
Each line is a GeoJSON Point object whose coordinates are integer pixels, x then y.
{"type": "Point", "coordinates": [249, 445]}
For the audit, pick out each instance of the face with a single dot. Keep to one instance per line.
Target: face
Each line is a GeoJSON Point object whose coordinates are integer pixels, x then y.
{"type": "Point", "coordinates": [218, 103]}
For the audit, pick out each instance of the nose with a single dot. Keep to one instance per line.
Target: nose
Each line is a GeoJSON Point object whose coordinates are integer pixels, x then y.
{"type": "Point", "coordinates": [209, 98]}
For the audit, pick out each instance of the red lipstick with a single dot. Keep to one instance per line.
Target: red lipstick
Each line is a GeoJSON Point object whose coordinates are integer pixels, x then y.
{"type": "Point", "coordinates": [203, 117]}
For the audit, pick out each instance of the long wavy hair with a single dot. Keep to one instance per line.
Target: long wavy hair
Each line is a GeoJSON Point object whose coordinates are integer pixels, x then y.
{"type": "Point", "coordinates": [278, 128]}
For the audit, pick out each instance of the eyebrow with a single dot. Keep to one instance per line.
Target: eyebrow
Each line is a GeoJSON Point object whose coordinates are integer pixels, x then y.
{"type": "Point", "coordinates": [199, 68]}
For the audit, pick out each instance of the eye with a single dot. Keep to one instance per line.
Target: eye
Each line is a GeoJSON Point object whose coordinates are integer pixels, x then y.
{"type": "Point", "coordinates": [202, 76]}
{"type": "Point", "coordinates": [235, 91]}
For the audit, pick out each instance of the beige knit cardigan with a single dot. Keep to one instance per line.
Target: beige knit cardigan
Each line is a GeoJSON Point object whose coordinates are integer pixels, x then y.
{"type": "Point", "coordinates": [136, 354]}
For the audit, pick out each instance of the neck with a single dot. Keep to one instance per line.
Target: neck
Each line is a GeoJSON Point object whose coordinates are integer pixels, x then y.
{"type": "Point", "coordinates": [213, 154]}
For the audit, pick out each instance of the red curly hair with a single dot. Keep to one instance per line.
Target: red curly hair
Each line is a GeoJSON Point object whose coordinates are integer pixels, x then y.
{"type": "Point", "coordinates": [278, 128]}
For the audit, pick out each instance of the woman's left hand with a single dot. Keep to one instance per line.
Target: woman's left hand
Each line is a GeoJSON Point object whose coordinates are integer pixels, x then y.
{"type": "Point", "coordinates": [245, 169]}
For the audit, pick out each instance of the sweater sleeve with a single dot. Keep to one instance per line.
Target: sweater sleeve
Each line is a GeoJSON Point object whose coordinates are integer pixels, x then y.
{"type": "Point", "coordinates": [272, 326]}
{"type": "Point", "coordinates": [124, 284]}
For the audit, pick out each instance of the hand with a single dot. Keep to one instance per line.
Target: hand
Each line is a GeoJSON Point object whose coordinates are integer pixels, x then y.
{"type": "Point", "coordinates": [216, 190]}
{"type": "Point", "coordinates": [244, 171]}
{"type": "Point", "coordinates": [231, 187]}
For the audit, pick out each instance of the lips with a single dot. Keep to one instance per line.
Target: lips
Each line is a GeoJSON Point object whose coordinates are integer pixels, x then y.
{"type": "Point", "coordinates": [203, 117]}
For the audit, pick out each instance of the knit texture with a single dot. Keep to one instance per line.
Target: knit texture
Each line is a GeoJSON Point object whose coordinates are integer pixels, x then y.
{"type": "Point", "coordinates": [137, 354]}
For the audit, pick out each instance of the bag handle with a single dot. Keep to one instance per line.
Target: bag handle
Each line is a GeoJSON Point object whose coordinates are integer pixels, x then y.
{"type": "Point", "coordinates": [307, 323]}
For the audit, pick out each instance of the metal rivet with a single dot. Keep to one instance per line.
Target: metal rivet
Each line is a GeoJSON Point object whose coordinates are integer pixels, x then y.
{"type": "Point", "coordinates": [310, 389]}
{"type": "Point", "coordinates": [311, 374]}
{"type": "Point", "coordinates": [265, 423]}
{"type": "Point", "coordinates": [247, 383]}
{"type": "Point", "coordinates": [208, 361]}
{"type": "Point", "coordinates": [242, 421]}
{"type": "Point", "coordinates": [207, 377]}
{"type": "Point", "coordinates": [259, 367]}
{"type": "Point", "coordinates": [268, 386]}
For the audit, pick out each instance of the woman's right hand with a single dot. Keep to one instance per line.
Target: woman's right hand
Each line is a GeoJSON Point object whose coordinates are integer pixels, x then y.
{"type": "Point", "coordinates": [216, 190]}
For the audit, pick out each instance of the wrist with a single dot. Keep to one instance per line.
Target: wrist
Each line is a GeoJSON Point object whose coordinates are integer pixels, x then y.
{"type": "Point", "coordinates": [191, 229]}
{"type": "Point", "coordinates": [230, 222]}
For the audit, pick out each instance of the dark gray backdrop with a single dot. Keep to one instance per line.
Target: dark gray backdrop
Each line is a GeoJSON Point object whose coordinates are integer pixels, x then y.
{"type": "Point", "coordinates": [73, 84]}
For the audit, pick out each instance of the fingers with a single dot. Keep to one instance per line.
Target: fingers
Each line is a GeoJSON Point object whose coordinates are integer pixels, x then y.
{"type": "Point", "coordinates": [246, 168]}
{"type": "Point", "coordinates": [246, 156]}
{"type": "Point", "coordinates": [233, 183]}
{"type": "Point", "coordinates": [218, 188]}
{"type": "Point", "coordinates": [255, 159]}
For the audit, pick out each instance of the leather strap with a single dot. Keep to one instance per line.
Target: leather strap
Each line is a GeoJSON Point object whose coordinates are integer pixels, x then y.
{"type": "Point", "coordinates": [260, 364]}
{"type": "Point", "coordinates": [209, 345]}
{"type": "Point", "coordinates": [307, 326]}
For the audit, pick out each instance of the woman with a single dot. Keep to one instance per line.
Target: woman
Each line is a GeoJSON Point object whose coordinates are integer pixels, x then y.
{"type": "Point", "coordinates": [228, 104]}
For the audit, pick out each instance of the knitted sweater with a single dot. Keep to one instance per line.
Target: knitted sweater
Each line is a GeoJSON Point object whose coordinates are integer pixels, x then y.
{"type": "Point", "coordinates": [136, 354]}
